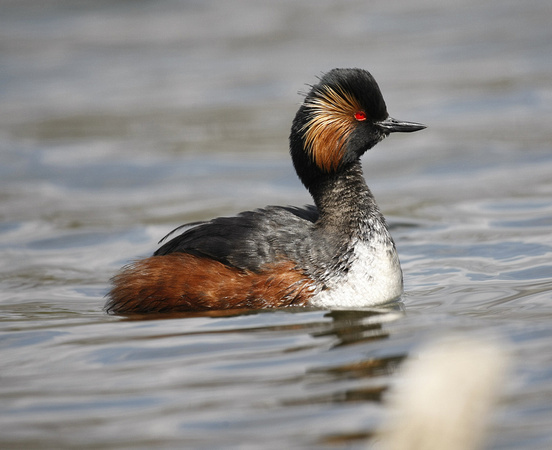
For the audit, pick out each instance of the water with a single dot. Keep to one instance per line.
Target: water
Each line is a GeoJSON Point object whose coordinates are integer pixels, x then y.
{"type": "Point", "coordinates": [122, 120]}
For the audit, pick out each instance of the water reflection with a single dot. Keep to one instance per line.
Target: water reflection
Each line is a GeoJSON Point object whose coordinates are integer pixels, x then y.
{"type": "Point", "coordinates": [351, 376]}
{"type": "Point", "coordinates": [351, 327]}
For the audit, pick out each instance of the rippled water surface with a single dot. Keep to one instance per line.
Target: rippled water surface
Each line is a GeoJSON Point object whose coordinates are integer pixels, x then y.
{"type": "Point", "coordinates": [122, 120]}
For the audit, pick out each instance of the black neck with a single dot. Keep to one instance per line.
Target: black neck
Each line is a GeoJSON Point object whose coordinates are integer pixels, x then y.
{"type": "Point", "coordinates": [345, 203]}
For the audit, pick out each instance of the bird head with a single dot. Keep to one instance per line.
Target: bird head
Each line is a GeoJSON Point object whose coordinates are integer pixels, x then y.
{"type": "Point", "coordinates": [342, 117]}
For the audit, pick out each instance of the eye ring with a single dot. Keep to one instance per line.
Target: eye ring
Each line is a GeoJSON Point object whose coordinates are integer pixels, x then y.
{"type": "Point", "coordinates": [360, 116]}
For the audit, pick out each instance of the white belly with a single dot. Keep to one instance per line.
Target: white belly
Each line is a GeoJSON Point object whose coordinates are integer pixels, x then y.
{"type": "Point", "coordinates": [374, 278]}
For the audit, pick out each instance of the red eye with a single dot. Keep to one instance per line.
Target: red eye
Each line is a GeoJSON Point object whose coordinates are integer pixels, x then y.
{"type": "Point", "coordinates": [360, 116]}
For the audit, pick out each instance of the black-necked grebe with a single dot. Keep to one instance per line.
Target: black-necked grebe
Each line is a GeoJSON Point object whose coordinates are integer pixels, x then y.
{"type": "Point", "coordinates": [337, 254]}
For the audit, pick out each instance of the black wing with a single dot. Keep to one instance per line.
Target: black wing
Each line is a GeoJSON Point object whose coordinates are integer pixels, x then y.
{"type": "Point", "coordinates": [249, 240]}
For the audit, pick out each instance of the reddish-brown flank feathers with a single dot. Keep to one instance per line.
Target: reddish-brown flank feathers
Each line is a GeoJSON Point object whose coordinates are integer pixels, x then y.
{"type": "Point", "coordinates": [333, 116]}
{"type": "Point", "coordinates": [184, 282]}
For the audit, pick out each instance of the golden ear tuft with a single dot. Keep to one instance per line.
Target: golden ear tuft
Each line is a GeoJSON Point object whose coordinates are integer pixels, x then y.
{"type": "Point", "coordinates": [333, 115]}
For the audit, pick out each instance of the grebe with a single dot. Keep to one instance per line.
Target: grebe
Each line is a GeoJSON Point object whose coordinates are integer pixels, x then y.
{"type": "Point", "coordinates": [336, 254]}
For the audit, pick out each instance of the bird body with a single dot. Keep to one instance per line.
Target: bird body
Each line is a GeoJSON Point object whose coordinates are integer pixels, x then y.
{"type": "Point", "coordinates": [336, 254]}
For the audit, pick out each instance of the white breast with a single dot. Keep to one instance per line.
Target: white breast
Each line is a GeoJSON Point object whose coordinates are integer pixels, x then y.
{"type": "Point", "coordinates": [374, 278]}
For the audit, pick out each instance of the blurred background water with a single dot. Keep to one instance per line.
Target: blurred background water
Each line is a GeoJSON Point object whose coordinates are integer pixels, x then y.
{"type": "Point", "coordinates": [120, 120]}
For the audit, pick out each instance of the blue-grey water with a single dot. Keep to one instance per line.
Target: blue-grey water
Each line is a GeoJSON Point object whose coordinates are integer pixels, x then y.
{"type": "Point", "coordinates": [121, 120]}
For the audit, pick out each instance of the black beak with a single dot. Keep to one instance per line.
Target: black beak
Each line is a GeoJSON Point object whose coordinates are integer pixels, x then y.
{"type": "Point", "coordinates": [391, 125]}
